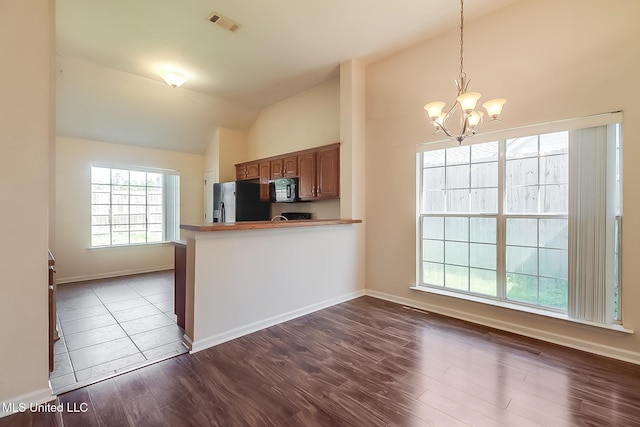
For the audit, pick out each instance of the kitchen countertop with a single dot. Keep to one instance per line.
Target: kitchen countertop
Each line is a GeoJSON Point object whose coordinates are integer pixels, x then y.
{"type": "Point", "coordinates": [264, 225]}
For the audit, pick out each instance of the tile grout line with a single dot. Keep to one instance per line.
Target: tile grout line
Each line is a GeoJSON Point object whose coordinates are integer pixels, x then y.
{"type": "Point", "coordinates": [111, 313]}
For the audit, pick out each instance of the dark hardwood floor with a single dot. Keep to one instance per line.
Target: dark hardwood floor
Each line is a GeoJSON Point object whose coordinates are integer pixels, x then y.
{"type": "Point", "coordinates": [365, 362]}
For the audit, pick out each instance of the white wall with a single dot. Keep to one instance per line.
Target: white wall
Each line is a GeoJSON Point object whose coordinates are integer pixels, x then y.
{"type": "Point", "coordinates": [75, 261]}
{"type": "Point", "coordinates": [26, 137]}
{"type": "Point", "coordinates": [232, 300]}
{"type": "Point", "coordinates": [552, 60]}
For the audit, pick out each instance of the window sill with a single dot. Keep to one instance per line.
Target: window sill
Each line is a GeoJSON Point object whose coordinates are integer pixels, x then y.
{"type": "Point", "coordinates": [532, 310]}
{"type": "Point", "coordinates": [134, 245]}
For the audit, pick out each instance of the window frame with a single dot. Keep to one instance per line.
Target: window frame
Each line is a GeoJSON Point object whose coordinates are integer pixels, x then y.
{"type": "Point", "coordinates": [501, 216]}
{"type": "Point", "coordinates": [170, 184]}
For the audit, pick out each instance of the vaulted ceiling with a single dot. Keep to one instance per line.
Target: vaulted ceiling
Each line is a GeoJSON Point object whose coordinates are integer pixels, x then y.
{"type": "Point", "coordinates": [110, 54]}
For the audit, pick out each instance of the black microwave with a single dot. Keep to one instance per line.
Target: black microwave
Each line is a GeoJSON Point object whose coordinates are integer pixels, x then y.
{"type": "Point", "coordinates": [283, 190]}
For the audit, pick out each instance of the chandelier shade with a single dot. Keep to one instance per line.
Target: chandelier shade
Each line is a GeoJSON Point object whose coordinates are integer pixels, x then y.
{"type": "Point", "coordinates": [471, 120]}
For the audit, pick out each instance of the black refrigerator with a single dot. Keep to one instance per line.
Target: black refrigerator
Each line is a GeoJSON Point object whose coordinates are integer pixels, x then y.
{"type": "Point", "coordinates": [239, 201]}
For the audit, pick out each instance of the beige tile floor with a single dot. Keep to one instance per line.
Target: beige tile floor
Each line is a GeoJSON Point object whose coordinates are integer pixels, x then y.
{"type": "Point", "coordinates": [111, 325]}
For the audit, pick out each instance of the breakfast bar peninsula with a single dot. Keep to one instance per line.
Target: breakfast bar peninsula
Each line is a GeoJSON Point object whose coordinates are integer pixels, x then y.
{"type": "Point", "coordinates": [246, 276]}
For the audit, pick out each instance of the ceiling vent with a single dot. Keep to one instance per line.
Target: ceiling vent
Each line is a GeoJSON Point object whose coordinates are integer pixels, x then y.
{"type": "Point", "coordinates": [224, 22]}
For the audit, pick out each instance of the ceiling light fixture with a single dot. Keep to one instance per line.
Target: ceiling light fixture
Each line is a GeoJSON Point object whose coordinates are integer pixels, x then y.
{"type": "Point", "coordinates": [471, 120]}
{"type": "Point", "coordinates": [173, 78]}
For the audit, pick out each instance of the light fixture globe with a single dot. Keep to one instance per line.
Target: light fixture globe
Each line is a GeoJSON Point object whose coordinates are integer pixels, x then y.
{"type": "Point", "coordinates": [471, 120]}
{"type": "Point", "coordinates": [173, 78]}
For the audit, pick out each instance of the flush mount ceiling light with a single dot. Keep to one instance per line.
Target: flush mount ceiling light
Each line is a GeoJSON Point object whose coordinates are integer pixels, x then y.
{"type": "Point", "coordinates": [173, 78]}
{"type": "Point", "coordinates": [471, 120]}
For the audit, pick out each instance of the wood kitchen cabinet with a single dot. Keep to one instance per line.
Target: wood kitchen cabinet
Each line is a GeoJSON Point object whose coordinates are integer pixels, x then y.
{"type": "Point", "coordinates": [265, 176]}
{"type": "Point", "coordinates": [284, 167]}
{"type": "Point", "coordinates": [319, 173]}
{"type": "Point", "coordinates": [247, 171]}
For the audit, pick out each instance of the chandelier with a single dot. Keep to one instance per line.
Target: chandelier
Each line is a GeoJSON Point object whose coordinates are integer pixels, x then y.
{"type": "Point", "coordinates": [471, 120]}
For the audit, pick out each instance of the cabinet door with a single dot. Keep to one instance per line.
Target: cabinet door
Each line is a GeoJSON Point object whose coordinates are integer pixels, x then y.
{"type": "Point", "coordinates": [277, 168]}
{"type": "Point", "coordinates": [241, 172]}
{"type": "Point", "coordinates": [247, 171]}
{"type": "Point", "coordinates": [307, 174]}
{"type": "Point", "coordinates": [265, 176]}
{"type": "Point", "coordinates": [290, 166]}
{"type": "Point", "coordinates": [328, 173]}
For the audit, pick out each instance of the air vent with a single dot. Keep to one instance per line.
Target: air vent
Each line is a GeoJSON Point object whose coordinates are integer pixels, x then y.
{"type": "Point", "coordinates": [224, 22]}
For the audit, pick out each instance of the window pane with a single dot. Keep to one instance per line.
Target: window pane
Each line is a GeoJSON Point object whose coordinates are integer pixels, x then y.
{"type": "Point", "coordinates": [522, 260]}
{"type": "Point", "coordinates": [553, 263]}
{"type": "Point", "coordinates": [458, 201]}
{"type": "Point", "coordinates": [154, 200]}
{"type": "Point", "coordinates": [457, 253]}
{"type": "Point", "coordinates": [138, 236]}
{"type": "Point", "coordinates": [457, 228]}
{"type": "Point", "coordinates": [154, 236]}
{"type": "Point", "coordinates": [484, 175]}
{"type": "Point", "coordinates": [483, 282]}
{"type": "Point", "coordinates": [555, 198]}
{"type": "Point", "coordinates": [433, 158]}
{"type": "Point", "coordinates": [100, 220]}
{"type": "Point", "coordinates": [522, 231]}
{"type": "Point", "coordinates": [100, 198]}
{"type": "Point", "coordinates": [154, 179]}
{"type": "Point", "coordinates": [554, 169]}
{"type": "Point", "coordinates": [457, 176]}
{"type": "Point", "coordinates": [120, 238]}
{"type": "Point", "coordinates": [484, 152]}
{"type": "Point", "coordinates": [522, 147]}
{"type": "Point", "coordinates": [482, 230]}
{"type": "Point", "coordinates": [433, 201]}
{"type": "Point", "coordinates": [100, 175]}
{"type": "Point", "coordinates": [482, 256]}
{"type": "Point", "coordinates": [554, 233]}
{"type": "Point", "coordinates": [554, 143]}
{"type": "Point", "coordinates": [521, 172]}
{"type": "Point", "coordinates": [100, 209]}
{"type": "Point", "coordinates": [522, 200]}
{"type": "Point", "coordinates": [433, 250]}
{"type": "Point", "coordinates": [484, 200]}
{"type": "Point", "coordinates": [458, 155]}
{"type": "Point", "coordinates": [522, 288]}
{"type": "Point", "coordinates": [433, 274]}
{"type": "Point", "coordinates": [456, 277]}
{"type": "Point", "coordinates": [433, 227]}
{"type": "Point", "coordinates": [119, 177]}
{"type": "Point", "coordinates": [138, 178]}
{"type": "Point", "coordinates": [433, 179]}
{"type": "Point", "coordinates": [553, 293]}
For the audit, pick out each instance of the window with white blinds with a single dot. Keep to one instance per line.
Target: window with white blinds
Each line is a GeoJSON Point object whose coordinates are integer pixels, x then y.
{"type": "Point", "coordinates": [533, 220]}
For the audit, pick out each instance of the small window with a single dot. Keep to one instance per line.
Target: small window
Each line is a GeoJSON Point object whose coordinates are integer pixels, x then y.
{"type": "Point", "coordinates": [131, 207]}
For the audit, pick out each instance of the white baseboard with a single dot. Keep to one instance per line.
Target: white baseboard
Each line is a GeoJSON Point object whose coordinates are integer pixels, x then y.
{"type": "Point", "coordinates": [214, 340]}
{"type": "Point", "coordinates": [563, 340]}
{"type": "Point", "coordinates": [22, 403]}
{"type": "Point", "coordinates": [112, 274]}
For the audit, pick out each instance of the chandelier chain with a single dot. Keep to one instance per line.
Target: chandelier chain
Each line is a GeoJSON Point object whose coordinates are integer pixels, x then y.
{"type": "Point", "coordinates": [461, 39]}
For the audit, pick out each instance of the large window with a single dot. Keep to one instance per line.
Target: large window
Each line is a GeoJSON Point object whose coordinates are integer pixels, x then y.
{"type": "Point", "coordinates": [133, 206]}
{"type": "Point", "coordinates": [497, 219]}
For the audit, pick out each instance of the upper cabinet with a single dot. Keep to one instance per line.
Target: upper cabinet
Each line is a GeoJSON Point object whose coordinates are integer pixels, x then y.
{"type": "Point", "coordinates": [248, 170]}
{"type": "Point", "coordinates": [318, 170]}
{"type": "Point", "coordinates": [284, 167]}
{"type": "Point", "coordinates": [319, 173]}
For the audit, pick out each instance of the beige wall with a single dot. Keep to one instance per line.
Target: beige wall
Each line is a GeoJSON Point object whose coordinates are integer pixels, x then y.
{"type": "Point", "coordinates": [306, 120]}
{"type": "Point", "coordinates": [552, 60]}
{"type": "Point", "coordinates": [309, 119]}
{"type": "Point", "coordinates": [26, 136]}
{"type": "Point", "coordinates": [75, 260]}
